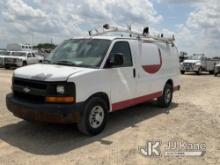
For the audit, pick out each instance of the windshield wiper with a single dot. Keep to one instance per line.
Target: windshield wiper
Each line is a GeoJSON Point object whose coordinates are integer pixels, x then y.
{"type": "Point", "coordinates": [64, 62]}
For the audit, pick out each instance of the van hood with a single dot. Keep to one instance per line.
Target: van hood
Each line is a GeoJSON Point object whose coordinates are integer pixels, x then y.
{"type": "Point", "coordinates": [191, 61]}
{"type": "Point", "coordinates": [48, 72]}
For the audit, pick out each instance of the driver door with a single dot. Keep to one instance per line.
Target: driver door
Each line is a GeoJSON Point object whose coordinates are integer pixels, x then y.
{"type": "Point", "coordinates": [29, 58]}
{"type": "Point", "coordinates": [123, 78]}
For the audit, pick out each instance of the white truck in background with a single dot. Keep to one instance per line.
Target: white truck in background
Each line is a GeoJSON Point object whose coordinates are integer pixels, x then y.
{"type": "Point", "coordinates": [217, 69]}
{"type": "Point", "coordinates": [21, 58]}
{"type": "Point", "coordinates": [3, 55]}
{"type": "Point", "coordinates": [198, 63]}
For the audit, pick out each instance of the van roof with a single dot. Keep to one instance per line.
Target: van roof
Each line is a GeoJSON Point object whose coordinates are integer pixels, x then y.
{"type": "Point", "coordinates": [100, 37]}
{"type": "Point", "coordinates": [115, 37]}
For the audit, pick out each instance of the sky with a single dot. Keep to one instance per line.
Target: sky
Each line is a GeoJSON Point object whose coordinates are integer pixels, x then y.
{"type": "Point", "coordinates": [195, 23]}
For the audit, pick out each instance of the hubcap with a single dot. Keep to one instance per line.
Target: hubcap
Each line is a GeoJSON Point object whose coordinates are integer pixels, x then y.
{"type": "Point", "coordinates": [96, 116]}
{"type": "Point", "coordinates": [168, 95]}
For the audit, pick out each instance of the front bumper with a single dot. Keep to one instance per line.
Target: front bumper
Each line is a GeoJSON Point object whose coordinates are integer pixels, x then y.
{"type": "Point", "coordinates": [17, 64]}
{"type": "Point", "coordinates": [49, 113]}
{"type": "Point", "coordinates": [190, 69]}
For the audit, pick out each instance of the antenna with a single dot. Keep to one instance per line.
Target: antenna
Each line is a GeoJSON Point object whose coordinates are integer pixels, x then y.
{"type": "Point", "coordinates": [144, 35]}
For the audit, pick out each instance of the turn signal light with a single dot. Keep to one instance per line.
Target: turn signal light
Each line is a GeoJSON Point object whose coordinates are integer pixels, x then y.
{"type": "Point", "coordinates": [60, 99]}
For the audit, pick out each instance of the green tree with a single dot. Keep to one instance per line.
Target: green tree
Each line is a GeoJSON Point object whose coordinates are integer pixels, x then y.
{"type": "Point", "coordinates": [45, 46]}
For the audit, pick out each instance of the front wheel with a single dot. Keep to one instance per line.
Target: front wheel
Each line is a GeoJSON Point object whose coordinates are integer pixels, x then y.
{"type": "Point", "coordinates": [94, 117]}
{"type": "Point", "coordinates": [199, 71]}
{"type": "Point", "coordinates": [165, 100]}
{"type": "Point", "coordinates": [24, 63]}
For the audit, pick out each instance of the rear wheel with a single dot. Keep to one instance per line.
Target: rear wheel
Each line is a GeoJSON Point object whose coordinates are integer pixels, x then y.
{"type": "Point", "coordinates": [211, 72]}
{"type": "Point", "coordinates": [182, 71]}
{"type": "Point", "coordinates": [94, 117]}
{"type": "Point", "coordinates": [215, 72]}
{"type": "Point", "coordinates": [7, 67]}
{"type": "Point", "coordinates": [165, 100]}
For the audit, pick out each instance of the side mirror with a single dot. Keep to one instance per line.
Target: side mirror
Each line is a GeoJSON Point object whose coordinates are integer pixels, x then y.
{"type": "Point", "coordinates": [115, 60]}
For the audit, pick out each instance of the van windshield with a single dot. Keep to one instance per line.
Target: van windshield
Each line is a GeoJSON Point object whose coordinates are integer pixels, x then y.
{"type": "Point", "coordinates": [80, 52]}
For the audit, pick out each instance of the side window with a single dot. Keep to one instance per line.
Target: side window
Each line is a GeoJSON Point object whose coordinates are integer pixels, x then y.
{"type": "Point", "coordinates": [122, 47]}
{"type": "Point", "coordinates": [29, 55]}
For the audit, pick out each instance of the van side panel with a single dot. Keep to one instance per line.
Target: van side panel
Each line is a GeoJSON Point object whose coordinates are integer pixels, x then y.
{"type": "Point", "coordinates": [171, 65]}
{"type": "Point", "coordinates": [155, 64]}
{"type": "Point", "coordinates": [158, 63]}
{"type": "Point", "coordinates": [149, 69]}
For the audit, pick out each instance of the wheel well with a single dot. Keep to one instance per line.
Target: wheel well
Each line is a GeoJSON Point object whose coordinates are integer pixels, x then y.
{"type": "Point", "coordinates": [170, 82]}
{"type": "Point", "coordinates": [102, 95]}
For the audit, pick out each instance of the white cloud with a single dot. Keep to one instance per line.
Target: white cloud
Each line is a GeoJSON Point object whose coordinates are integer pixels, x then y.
{"type": "Point", "coordinates": [201, 31]}
{"type": "Point", "coordinates": [180, 1]}
{"type": "Point", "coordinates": [46, 19]}
{"type": "Point", "coordinates": [18, 10]}
{"type": "Point", "coordinates": [65, 19]}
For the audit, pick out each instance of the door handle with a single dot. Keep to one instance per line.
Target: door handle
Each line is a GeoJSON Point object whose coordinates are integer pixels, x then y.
{"type": "Point", "coordinates": [134, 72]}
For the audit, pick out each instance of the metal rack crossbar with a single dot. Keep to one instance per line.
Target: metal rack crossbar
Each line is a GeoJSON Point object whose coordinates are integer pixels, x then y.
{"type": "Point", "coordinates": [145, 35]}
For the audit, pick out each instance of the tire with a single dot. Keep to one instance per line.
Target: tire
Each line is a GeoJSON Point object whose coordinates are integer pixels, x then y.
{"type": "Point", "coordinates": [198, 72]}
{"type": "Point", "coordinates": [165, 100]}
{"type": "Point", "coordinates": [215, 72]}
{"type": "Point", "coordinates": [24, 63]}
{"type": "Point", "coordinates": [211, 72]}
{"type": "Point", "coordinates": [182, 71]}
{"type": "Point", "coordinates": [7, 67]}
{"type": "Point", "coordinates": [94, 117]}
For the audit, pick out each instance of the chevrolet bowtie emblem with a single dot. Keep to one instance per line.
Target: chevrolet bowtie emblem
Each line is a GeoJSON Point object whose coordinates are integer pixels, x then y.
{"type": "Point", "coordinates": [26, 90]}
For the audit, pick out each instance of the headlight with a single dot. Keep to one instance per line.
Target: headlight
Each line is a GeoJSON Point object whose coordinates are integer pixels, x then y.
{"type": "Point", "coordinates": [60, 89]}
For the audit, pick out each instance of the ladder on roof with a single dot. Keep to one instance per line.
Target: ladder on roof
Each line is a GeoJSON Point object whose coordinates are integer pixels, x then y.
{"type": "Point", "coordinates": [145, 35]}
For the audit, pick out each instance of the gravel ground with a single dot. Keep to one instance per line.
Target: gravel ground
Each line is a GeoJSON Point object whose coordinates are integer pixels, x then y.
{"type": "Point", "coordinates": [194, 117]}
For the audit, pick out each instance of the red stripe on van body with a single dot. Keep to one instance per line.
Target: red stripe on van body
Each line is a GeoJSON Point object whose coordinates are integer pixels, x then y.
{"type": "Point", "coordinates": [135, 101]}
{"type": "Point", "coordinates": [153, 68]}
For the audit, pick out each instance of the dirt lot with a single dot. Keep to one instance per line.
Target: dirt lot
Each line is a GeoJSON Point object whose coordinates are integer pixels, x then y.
{"type": "Point", "coordinates": [193, 117]}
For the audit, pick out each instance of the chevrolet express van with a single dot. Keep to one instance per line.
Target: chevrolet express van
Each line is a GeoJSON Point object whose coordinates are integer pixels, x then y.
{"type": "Point", "coordinates": [84, 79]}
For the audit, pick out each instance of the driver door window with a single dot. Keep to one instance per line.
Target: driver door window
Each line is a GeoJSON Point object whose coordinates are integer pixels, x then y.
{"type": "Point", "coordinates": [29, 55]}
{"type": "Point", "coordinates": [122, 47]}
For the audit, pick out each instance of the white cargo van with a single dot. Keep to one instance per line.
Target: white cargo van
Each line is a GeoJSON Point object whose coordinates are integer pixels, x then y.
{"type": "Point", "coordinates": [84, 79]}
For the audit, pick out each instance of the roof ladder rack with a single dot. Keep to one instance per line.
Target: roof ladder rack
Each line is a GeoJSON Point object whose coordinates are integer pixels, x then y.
{"type": "Point", "coordinates": [145, 35]}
